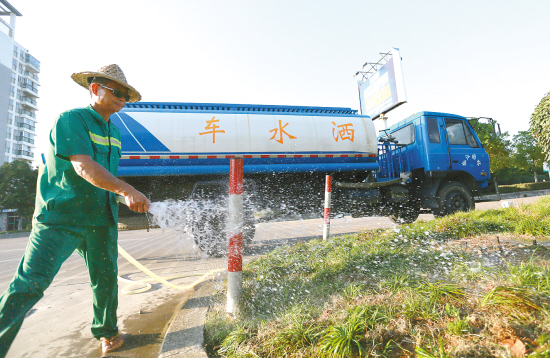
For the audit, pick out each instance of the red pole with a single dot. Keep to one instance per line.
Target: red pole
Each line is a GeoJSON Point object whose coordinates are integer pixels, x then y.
{"type": "Point", "coordinates": [328, 192]}
{"type": "Point", "coordinates": [235, 232]}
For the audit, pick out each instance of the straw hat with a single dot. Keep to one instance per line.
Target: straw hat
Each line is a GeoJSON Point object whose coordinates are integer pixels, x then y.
{"type": "Point", "coordinates": [111, 72]}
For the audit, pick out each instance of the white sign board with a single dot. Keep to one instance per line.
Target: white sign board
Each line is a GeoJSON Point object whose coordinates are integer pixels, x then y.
{"type": "Point", "coordinates": [385, 89]}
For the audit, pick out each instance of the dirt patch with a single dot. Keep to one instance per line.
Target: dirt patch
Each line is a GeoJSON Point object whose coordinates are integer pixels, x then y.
{"type": "Point", "coordinates": [500, 249]}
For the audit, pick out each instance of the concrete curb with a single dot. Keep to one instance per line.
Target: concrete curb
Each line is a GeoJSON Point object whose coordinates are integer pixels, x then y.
{"type": "Point", "coordinates": [184, 338]}
{"type": "Point", "coordinates": [518, 194]}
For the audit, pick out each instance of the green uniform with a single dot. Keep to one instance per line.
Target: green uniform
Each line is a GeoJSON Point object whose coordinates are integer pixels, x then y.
{"type": "Point", "coordinates": [70, 214]}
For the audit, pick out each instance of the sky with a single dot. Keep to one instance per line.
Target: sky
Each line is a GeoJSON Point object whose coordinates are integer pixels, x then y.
{"type": "Point", "coordinates": [472, 58]}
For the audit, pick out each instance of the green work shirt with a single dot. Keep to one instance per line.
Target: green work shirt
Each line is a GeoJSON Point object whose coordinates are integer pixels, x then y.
{"type": "Point", "coordinates": [62, 196]}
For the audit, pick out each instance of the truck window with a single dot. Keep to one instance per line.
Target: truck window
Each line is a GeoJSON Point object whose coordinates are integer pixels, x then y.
{"type": "Point", "coordinates": [433, 130]}
{"type": "Point", "coordinates": [470, 137]}
{"type": "Point", "coordinates": [405, 135]}
{"type": "Point", "coordinates": [455, 132]}
{"type": "Point", "coordinates": [459, 133]}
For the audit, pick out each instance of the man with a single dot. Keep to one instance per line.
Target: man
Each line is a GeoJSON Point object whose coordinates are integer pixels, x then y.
{"type": "Point", "coordinates": [76, 209]}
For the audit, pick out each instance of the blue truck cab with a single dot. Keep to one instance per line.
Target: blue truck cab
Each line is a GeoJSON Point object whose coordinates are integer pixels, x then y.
{"type": "Point", "coordinates": [441, 162]}
{"type": "Point", "coordinates": [440, 142]}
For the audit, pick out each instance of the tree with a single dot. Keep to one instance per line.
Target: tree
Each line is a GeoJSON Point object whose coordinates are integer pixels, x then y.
{"type": "Point", "coordinates": [498, 148]}
{"type": "Point", "coordinates": [18, 188]}
{"type": "Point", "coordinates": [540, 125]}
{"type": "Point", "coordinates": [528, 155]}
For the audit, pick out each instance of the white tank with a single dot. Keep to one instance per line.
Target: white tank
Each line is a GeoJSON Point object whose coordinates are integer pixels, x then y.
{"type": "Point", "coordinates": [191, 135]}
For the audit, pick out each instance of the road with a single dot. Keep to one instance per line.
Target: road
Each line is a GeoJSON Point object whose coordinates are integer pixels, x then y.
{"type": "Point", "coordinates": [59, 325]}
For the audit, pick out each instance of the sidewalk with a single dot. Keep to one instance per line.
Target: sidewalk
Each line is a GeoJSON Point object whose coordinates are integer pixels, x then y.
{"type": "Point", "coordinates": [14, 235]}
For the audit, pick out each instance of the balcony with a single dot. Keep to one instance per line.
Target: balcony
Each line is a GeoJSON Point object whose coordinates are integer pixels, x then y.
{"type": "Point", "coordinates": [32, 76]}
{"type": "Point", "coordinates": [29, 90]}
{"type": "Point", "coordinates": [25, 153]}
{"type": "Point", "coordinates": [28, 114]}
{"type": "Point", "coordinates": [32, 64]}
{"type": "Point", "coordinates": [27, 126]}
{"type": "Point", "coordinates": [29, 102]}
{"type": "Point", "coordinates": [24, 139]}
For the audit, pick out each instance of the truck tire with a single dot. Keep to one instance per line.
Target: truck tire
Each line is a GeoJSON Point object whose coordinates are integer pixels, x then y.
{"type": "Point", "coordinates": [453, 197]}
{"type": "Point", "coordinates": [405, 214]}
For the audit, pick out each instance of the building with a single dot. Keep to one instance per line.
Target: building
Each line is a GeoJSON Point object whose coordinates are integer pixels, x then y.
{"type": "Point", "coordinates": [18, 92]}
{"type": "Point", "coordinates": [10, 220]}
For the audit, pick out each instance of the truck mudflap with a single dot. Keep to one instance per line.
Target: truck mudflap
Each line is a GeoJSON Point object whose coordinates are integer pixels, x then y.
{"type": "Point", "coordinates": [489, 193]}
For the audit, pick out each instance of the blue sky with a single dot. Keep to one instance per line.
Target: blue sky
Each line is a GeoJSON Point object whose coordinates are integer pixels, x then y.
{"type": "Point", "coordinates": [472, 58]}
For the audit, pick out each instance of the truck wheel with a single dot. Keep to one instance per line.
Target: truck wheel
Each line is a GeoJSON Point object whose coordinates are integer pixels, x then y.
{"type": "Point", "coordinates": [405, 214]}
{"type": "Point", "coordinates": [454, 197]}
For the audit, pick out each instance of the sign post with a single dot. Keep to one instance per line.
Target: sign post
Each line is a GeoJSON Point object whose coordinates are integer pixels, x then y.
{"type": "Point", "coordinates": [235, 232]}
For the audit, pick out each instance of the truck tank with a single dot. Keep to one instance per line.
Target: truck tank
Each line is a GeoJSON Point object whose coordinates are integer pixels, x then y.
{"type": "Point", "coordinates": [182, 150]}
{"type": "Point", "coordinates": [167, 139]}
{"type": "Point", "coordinates": [169, 150]}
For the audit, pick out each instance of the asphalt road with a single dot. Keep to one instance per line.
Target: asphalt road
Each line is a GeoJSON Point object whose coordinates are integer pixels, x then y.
{"type": "Point", "coordinates": [59, 325]}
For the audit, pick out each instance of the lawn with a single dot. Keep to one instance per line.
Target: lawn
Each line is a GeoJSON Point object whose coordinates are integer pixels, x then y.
{"type": "Point", "coordinates": [473, 284]}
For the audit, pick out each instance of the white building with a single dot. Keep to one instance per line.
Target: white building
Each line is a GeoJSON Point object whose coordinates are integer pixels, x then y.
{"type": "Point", "coordinates": [18, 92]}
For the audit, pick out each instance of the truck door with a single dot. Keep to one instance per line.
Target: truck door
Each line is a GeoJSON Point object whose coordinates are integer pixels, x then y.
{"type": "Point", "coordinates": [437, 152]}
{"type": "Point", "coordinates": [464, 151]}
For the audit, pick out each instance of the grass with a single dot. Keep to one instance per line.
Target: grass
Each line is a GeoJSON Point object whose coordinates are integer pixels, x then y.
{"type": "Point", "coordinates": [442, 288]}
{"type": "Point", "coordinates": [525, 186]}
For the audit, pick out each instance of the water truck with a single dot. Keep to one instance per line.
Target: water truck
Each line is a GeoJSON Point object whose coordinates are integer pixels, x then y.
{"type": "Point", "coordinates": [430, 162]}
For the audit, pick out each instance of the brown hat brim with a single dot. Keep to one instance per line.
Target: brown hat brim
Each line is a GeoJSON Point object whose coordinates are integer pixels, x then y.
{"type": "Point", "coordinates": [82, 79]}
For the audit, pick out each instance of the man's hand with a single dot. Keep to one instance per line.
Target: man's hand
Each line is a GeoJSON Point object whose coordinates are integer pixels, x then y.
{"type": "Point", "coordinates": [98, 176]}
{"type": "Point", "coordinates": [136, 201]}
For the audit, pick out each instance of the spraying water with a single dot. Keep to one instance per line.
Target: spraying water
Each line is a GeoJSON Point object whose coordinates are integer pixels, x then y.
{"type": "Point", "coordinates": [196, 223]}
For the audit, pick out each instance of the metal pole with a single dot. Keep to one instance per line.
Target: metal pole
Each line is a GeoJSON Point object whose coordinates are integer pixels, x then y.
{"type": "Point", "coordinates": [328, 193]}
{"type": "Point", "coordinates": [235, 232]}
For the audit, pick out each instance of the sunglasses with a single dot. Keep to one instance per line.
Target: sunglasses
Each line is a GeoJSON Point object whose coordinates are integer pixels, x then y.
{"type": "Point", "coordinates": [117, 93]}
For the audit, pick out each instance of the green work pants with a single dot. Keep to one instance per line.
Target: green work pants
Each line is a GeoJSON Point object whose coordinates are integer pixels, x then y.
{"type": "Point", "coordinates": [49, 246]}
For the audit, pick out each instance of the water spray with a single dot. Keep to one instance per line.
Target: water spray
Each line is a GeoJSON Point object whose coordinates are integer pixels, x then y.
{"type": "Point", "coordinates": [144, 283]}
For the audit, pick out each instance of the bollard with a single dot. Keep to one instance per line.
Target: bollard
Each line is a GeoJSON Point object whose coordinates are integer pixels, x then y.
{"type": "Point", "coordinates": [328, 192]}
{"type": "Point", "coordinates": [235, 232]}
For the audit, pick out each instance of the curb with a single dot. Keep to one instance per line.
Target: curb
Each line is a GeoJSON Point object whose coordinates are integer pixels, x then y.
{"type": "Point", "coordinates": [185, 335]}
{"type": "Point", "coordinates": [517, 194]}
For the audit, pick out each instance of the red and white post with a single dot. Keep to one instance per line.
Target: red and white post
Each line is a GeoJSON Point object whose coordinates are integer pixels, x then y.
{"type": "Point", "coordinates": [328, 193]}
{"type": "Point", "coordinates": [235, 232]}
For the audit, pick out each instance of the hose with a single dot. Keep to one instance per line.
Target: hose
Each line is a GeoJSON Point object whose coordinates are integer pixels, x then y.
{"type": "Point", "coordinates": [154, 277]}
